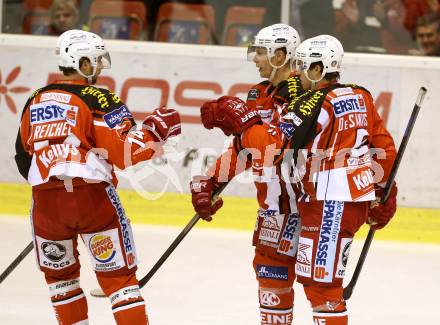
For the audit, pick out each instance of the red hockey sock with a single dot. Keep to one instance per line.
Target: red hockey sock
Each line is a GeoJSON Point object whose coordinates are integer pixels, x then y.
{"type": "Point", "coordinates": [71, 308]}
{"type": "Point", "coordinates": [127, 303]}
{"type": "Point", "coordinates": [328, 305]}
{"type": "Point", "coordinates": [131, 312]}
{"type": "Point", "coordinates": [330, 318]}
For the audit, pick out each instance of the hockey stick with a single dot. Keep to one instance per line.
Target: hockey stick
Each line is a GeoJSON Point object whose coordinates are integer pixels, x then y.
{"type": "Point", "coordinates": [17, 261]}
{"type": "Point", "coordinates": [142, 282]}
{"type": "Point", "coordinates": [348, 290]}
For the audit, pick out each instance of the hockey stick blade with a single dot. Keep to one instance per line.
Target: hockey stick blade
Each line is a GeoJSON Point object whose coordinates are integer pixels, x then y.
{"type": "Point", "coordinates": [348, 291]}
{"type": "Point", "coordinates": [98, 293]}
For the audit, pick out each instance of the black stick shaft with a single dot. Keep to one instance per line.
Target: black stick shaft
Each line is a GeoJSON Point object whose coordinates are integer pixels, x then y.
{"type": "Point", "coordinates": [171, 248]}
{"type": "Point", "coordinates": [17, 261]}
{"type": "Point", "coordinates": [412, 120]}
{"type": "Point", "coordinates": [175, 243]}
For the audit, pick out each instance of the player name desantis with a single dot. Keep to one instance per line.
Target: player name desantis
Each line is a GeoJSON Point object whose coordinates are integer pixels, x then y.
{"type": "Point", "coordinates": [348, 104]}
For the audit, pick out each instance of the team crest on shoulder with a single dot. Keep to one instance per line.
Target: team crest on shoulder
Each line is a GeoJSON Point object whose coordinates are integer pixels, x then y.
{"type": "Point", "coordinates": [253, 94]}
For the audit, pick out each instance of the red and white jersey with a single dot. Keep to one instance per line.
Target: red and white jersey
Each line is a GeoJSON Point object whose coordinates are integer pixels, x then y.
{"type": "Point", "coordinates": [71, 129]}
{"type": "Point", "coordinates": [341, 147]}
{"type": "Point", "coordinates": [249, 151]}
{"type": "Point", "coordinates": [270, 100]}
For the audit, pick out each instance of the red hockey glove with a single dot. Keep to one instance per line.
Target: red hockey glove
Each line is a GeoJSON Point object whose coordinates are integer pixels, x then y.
{"type": "Point", "coordinates": [163, 123]}
{"type": "Point", "coordinates": [202, 189]}
{"type": "Point", "coordinates": [380, 214]}
{"type": "Point", "coordinates": [230, 114]}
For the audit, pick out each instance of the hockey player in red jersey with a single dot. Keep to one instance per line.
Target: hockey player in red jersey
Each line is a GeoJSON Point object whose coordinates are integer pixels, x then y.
{"type": "Point", "coordinates": [340, 157]}
{"type": "Point", "coordinates": [347, 159]}
{"type": "Point", "coordinates": [71, 136]}
{"type": "Point", "coordinates": [277, 227]}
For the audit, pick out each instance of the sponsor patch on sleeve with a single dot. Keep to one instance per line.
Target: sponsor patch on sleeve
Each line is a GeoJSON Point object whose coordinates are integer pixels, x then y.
{"type": "Point", "coordinates": [116, 116]}
{"type": "Point", "coordinates": [253, 94]}
{"type": "Point", "coordinates": [287, 129]}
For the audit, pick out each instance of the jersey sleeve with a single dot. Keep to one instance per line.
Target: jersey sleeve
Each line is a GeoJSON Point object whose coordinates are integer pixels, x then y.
{"type": "Point", "coordinates": [264, 143]}
{"type": "Point", "coordinates": [23, 154]}
{"type": "Point", "coordinates": [382, 139]}
{"type": "Point", "coordinates": [118, 137]}
{"type": "Point", "coordinates": [231, 163]}
{"type": "Point", "coordinates": [22, 157]}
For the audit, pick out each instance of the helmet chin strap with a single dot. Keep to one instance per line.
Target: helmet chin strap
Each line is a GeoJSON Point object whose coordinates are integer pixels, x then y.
{"type": "Point", "coordinates": [88, 77]}
{"type": "Point", "coordinates": [275, 68]}
{"type": "Point", "coordinates": [313, 81]}
{"type": "Point", "coordinates": [272, 74]}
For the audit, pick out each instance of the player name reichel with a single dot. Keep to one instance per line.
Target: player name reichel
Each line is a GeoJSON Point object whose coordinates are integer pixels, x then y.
{"type": "Point", "coordinates": [52, 130]}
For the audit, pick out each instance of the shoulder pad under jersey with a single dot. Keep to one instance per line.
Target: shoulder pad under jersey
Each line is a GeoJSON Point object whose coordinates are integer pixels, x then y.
{"type": "Point", "coordinates": [32, 96]}
{"type": "Point", "coordinates": [354, 86]}
{"type": "Point", "coordinates": [35, 93]}
{"type": "Point", "coordinates": [103, 99]}
{"type": "Point", "coordinates": [107, 106]}
{"type": "Point", "coordinates": [310, 101]}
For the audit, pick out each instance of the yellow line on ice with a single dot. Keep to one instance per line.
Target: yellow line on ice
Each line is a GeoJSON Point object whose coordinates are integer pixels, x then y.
{"type": "Point", "coordinates": [409, 224]}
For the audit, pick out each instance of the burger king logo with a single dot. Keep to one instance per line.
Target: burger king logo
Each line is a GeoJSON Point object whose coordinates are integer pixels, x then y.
{"type": "Point", "coordinates": [102, 248]}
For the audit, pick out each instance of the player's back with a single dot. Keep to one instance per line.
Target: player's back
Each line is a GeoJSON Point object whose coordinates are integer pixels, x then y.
{"type": "Point", "coordinates": [338, 160]}
{"type": "Point", "coordinates": [61, 125]}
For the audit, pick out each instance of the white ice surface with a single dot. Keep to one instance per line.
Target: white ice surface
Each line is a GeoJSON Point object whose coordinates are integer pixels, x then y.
{"type": "Point", "coordinates": [209, 280]}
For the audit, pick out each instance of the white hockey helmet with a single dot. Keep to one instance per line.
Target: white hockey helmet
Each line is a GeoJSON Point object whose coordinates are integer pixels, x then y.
{"type": "Point", "coordinates": [75, 44]}
{"type": "Point", "coordinates": [323, 48]}
{"type": "Point", "coordinates": [275, 37]}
